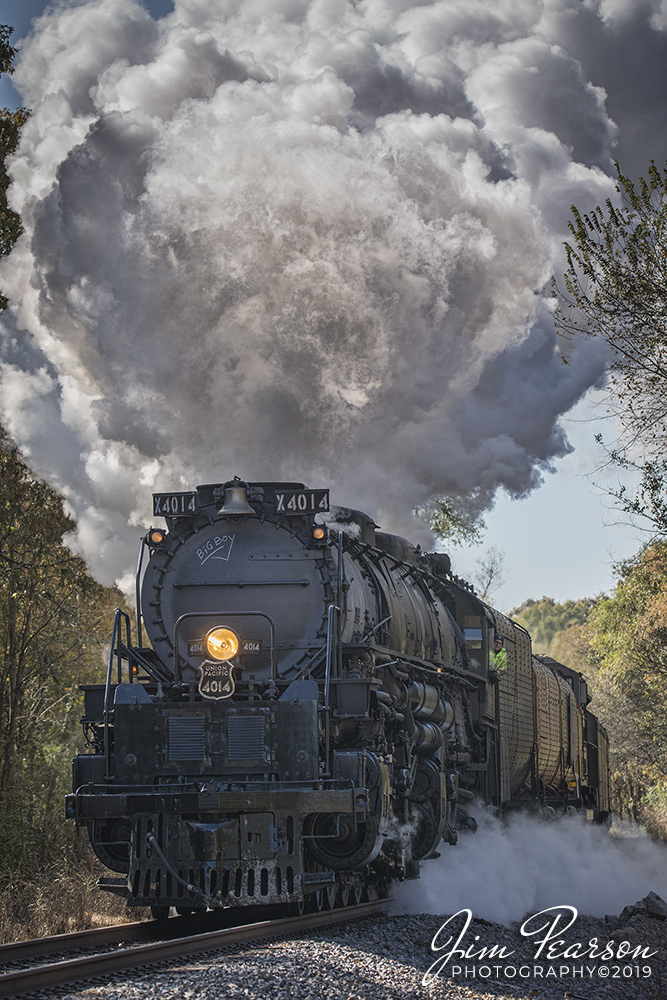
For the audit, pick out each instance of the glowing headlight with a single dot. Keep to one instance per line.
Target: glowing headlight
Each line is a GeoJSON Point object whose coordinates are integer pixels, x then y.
{"type": "Point", "coordinates": [222, 643]}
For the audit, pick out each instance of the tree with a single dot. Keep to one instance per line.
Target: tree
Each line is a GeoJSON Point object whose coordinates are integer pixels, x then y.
{"type": "Point", "coordinates": [53, 621]}
{"type": "Point", "coordinates": [616, 288]}
{"type": "Point", "coordinates": [7, 52]}
{"type": "Point", "coordinates": [490, 573]}
{"type": "Point", "coordinates": [546, 620]}
{"type": "Point", "coordinates": [10, 127]}
{"type": "Point", "coordinates": [455, 519]}
{"type": "Point", "coordinates": [627, 633]}
{"type": "Point", "coordinates": [571, 646]}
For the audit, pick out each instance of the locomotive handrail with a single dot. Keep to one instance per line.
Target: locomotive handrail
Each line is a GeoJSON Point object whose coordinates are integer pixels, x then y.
{"type": "Point", "coordinates": [340, 586]}
{"type": "Point", "coordinates": [121, 617]}
{"type": "Point", "coordinates": [332, 648]}
{"type": "Point", "coordinates": [135, 658]}
{"type": "Point", "coordinates": [341, 784]}
{"type": "Point", "coordinates": [333, 609]}
{"type": "Point", "coordinates": [242, 583]}
{"type": "Point", "coordinates": [137, 585]}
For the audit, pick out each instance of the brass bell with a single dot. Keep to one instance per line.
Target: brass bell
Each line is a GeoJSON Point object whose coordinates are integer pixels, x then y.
{"type": "Point", "coordinates": [235, 501]}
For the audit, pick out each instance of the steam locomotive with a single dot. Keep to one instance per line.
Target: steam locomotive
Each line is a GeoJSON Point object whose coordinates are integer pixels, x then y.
{"type": "Point", "coordinates": [314, 713]}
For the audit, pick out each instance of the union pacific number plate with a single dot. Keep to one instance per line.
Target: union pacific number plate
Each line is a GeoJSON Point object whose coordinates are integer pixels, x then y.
{"type": "Point", "coordinates": [247, 647]}
{"type": "Point", "coordinates": [302, 502]}
{"type": "Point", "coordinates": [174, 504]}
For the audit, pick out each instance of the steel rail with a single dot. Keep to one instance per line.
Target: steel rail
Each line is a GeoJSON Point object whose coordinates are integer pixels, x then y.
{"type": "Point", "coordinates": [42, 977]}
{"type": "Point", "coordinates": [19, 951]}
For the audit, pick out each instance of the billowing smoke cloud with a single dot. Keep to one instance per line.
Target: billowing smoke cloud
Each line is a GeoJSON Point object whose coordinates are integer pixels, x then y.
{"type": "Point", "coordinates": [296, 238]}
{"type": "Point", "coordinates": [507, 870]}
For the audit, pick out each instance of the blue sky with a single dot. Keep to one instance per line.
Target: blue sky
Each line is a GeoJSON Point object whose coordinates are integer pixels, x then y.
{"type": "Point", "coordinates": [563, 539]}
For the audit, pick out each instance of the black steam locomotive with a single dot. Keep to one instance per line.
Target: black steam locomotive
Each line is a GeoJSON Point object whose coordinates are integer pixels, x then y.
{"type": "Point", "coordinates": [315, 712]}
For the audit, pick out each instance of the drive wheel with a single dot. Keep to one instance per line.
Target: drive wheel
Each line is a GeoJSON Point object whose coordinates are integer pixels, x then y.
{"type": "Point", "coordinates": [315, 901]}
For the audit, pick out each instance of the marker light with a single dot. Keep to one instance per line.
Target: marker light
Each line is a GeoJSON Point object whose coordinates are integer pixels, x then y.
{"type": "Point", "coordinates": [222, 643]}
{"type": "Point", "coordinates": [319, 534]}
{"type": "Point", "coordinates": [156, 537]}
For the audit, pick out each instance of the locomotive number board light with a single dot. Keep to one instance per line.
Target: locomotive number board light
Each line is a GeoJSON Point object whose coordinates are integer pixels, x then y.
{"type": "Point", "coordinates": [174, 504]}
{"type": "Point", "coordinates": [302, 502]}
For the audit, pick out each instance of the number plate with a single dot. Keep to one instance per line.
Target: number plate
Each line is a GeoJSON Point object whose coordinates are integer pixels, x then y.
{"type": "Point", "coordinates": [247, 647]}
{"type": "Point", "coordinates": [174, 504]}
{"type": "Point", "coordinates": [302, 502]}
{"type": "Point", "coordinates": [217, 680]}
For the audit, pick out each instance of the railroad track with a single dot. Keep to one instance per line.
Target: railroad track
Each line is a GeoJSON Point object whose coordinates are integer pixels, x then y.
{"type": "Point", "coordinates": [69, 970]}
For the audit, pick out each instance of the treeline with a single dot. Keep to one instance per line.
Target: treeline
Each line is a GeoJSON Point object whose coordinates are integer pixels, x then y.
{"type": "Point", "coordinates": [54, 624]}
{"type": "Point", "coordinates": [619, 642]}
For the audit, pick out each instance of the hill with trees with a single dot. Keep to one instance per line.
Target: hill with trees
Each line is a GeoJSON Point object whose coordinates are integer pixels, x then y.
{"type": "Point", "coordinates": [545, 620]}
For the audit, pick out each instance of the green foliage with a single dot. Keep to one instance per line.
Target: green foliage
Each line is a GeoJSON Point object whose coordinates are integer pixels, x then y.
{"type": "Point", "coordinates": [630, 626]}
{"type": "Point", "coordinates": [454, 519]}
{"type": "Point", "coordinates": [545, 620]}
{"type": "Point", "coordinates": [571, 647]}
{"type": "Point", "coordinates": [628, 646]}
{"type": "Point", "coordinates": [53, 620]}
{"type": "Point", "coordinates": [649, 502]}
{"type": "Point", "coordinates": [10, 127]}
{"type": "Point", "coordinates": [10, 221]}
{"type": "Point", "coordinates": [7, 52]}
{"type": "Point", "coordinates": [616, 288]}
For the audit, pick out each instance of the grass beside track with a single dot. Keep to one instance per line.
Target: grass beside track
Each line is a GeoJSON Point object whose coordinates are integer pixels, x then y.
{"type": "Point", "coordinates": [59, 902]}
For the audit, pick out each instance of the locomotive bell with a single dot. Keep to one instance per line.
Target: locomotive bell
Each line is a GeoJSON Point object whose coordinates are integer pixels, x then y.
{"type": "Point", "coordinates": [235, 502]}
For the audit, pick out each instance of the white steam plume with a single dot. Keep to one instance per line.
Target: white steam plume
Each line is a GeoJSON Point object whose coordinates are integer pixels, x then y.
{"type": "Point", "coordinates": [297, 239]}
{"type": "Point", "coordinates": [507, 870]}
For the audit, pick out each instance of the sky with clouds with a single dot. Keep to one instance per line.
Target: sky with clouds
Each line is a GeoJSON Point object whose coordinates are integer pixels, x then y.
{"type": "Point", "coordinates": [313, 239]}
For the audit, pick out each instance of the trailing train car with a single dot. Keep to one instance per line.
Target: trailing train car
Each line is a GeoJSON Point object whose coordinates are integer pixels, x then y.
{"type": "Point", "coordinates": [313, 713]}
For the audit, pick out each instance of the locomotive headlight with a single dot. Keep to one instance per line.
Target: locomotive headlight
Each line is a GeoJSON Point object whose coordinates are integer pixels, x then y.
{"type": "Point", "coordinates": [222, 643]}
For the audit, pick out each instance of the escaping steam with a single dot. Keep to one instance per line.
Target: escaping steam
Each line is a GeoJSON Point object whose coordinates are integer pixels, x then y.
{"type": "Point", "coordinates": [294, 238]}
{"type": "Point", "coordinates": [507, 870]}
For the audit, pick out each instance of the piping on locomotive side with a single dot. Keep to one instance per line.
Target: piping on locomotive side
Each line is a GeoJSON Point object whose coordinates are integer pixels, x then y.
{"type": "Point", "coordinates": [314, 713]}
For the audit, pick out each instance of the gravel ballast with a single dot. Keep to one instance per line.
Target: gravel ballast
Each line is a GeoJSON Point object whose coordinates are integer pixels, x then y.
{"type": "Point", "coordinates": [387, 957]}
